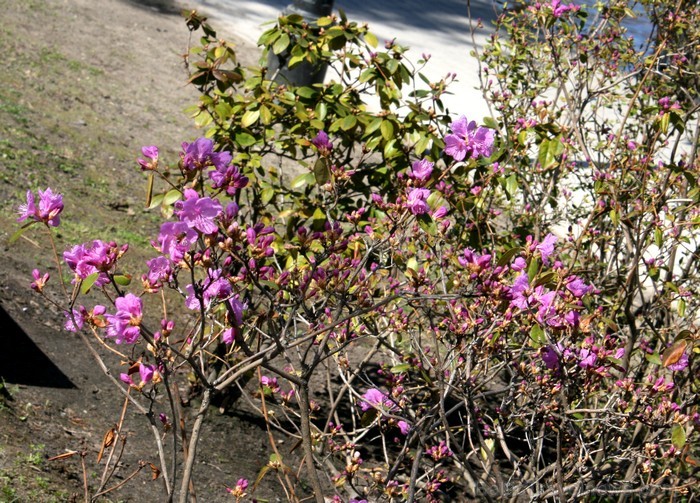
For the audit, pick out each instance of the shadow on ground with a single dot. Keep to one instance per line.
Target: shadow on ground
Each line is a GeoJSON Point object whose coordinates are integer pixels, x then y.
{"type": "Point", "coordinates": [163, 6]}
{"type": "Point", "coordinates": [22, 362]}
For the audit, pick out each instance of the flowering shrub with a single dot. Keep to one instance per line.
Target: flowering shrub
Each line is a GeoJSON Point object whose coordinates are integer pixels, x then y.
{"type": "Point", "coordinates": [426, 329]}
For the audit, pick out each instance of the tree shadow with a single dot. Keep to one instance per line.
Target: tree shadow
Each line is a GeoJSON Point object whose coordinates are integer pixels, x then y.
{"type": "Point", "coordinates": [170, 7]}
{"type": "Point", "coordinates": [23, 362]}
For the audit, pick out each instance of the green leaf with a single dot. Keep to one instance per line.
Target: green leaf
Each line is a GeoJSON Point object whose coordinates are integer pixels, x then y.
{"type": "Point", "coordinates": [537, 336]}
{"type": "Point", "coordinates": [512, 185]}
{"type": "Point", "coordinates": [532, 269]}
{"type": "Point", "coordinates": [172, 196]}
{"type": "Point", "coordinates": [250, 117]}
{"type": "Point", "coordinates": [149, 190]}
{"type": "Point", "coordinates": [387, 130]}
{"type": "Point", "coordinates": [122, 279]}
{"type": "Point", "coordinates": [427, 224]}
{"type": "Point", "coordinates": [348, 123]}
{"type": "Point", "coordinates": [371, 39]}
{"type": "Point", "coordinates": [321, 110]}
{"type": "Point", "coordinates": [402, 367]}
{"type": "Point", "coordinates": [306, 92]}
{"type": "Point", "coordinates": [281, 44]}
{"type": "Point", "coordinates": [245, 139]}
{"type": "Point", "coordinates": [653, 358]}
{"type": "Point", "coordinates": [156, 201]}
{"type": "Point", "coordinates": [678, 436]}
{"type": "Point", "coordinates": [322, 172]}
{"type": "Point", "coordinates": [267, 194]}
{"type": "Point", "coordinates": [324, 21]}
{"type": "Point", "coordinates": [303, 179]}
{"type": "Point", "coordinates": [87, 283]}
{"type": "Point", "coordinates": [16, 235]}
{"type": "Point", "coordinates": [265, 115]}
{"type": "Point", "coordinates": [490, 122]}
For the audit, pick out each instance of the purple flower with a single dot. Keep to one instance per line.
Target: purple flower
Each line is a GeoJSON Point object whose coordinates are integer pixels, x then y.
{"type": "Point", "coordinates": [146, 372]}
{"type": "Point", "coordinates": [468, 140]}
{"type": "Point", "coordinates": [125, 324]}
{"type": "Point", "coordinates": [520, 292]}
{"type": "Point", "coordinates": [550, 356]}
{"type": "Point", "coordinates": [228, 177]}
{"type": "Point", "coordinates": [546, 311]}
{"type": "Point", "coordinates": [473, 261]}
{"type": "Point", "coordinates": [404, 427]}
{"type": "Point", "coordinates": [587, 358]}
{"type": "Point", "coordinates": [150, 152]}
{"type": "Point", "coordinates": [421, 170]}
{"type": "Point", "coordinates": [375, 399]}
{"type": "Point", "coordinates": [214, 287]}
{"type": "Point", "coordinates": [518, 264]}
{"type": "Point", "coordinates": [98, 257]}
{"type": "Point", "coordinates": [322, 143]}
{"type": "Point", "coordinates": [160, 271]}
{"type": "Point", "coordinates": [39, 280]}
{"type": "Point", "coordinates": [559, 9]}
{"type": "Point", "coordinates": [418, 201]}
{"type": "Point", "coordinates": [175, 239]}
{"type": "Point", "coordinates": [48, 211]}
{"type": "Point", "coordinates": [198, 212]}
{"type": "Point", "coordinates": [75, 320]}
{"type": "Point", "coordinates": [546, 247]}
{"type": "Point", "coordinates": [200, 154]}
{"type": "Point", "coordinates": [577, 287]}
{"type": "Point", "coordinates": [681, 364]}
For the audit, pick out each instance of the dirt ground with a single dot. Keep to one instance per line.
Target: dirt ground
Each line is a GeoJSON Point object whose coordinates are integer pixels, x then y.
{"type": "Point", "coordinates": [84, 85]}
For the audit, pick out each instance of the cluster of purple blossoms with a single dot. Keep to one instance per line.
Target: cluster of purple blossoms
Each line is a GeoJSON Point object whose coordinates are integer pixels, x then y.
{"type": "Point", "coordinates": [98, 257]}
{"type": "Point", "coordinates": [198, 213]}
{"type": "Point", "coordinates": [417, 201]}
{"type": "Point", "coordinates": [469, 140]}
{"type": "Point", "coordinates": [175, 239]}
{"type": "Point", "coordinates": [125, 324]}
{"type": "Point", "coordinates": [200, 154]}
{"type": "Point", "coordinates": [48, 211]}
{"type": "Point", "coordinates": [215, 286]}
{"type": "Point", "coordinates": [228, 177]}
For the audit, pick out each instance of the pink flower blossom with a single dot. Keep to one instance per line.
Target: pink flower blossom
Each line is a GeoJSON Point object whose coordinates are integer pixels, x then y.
{"type": "Point", "coordinates": [200, 154]}
{"type": "Point", "coordinates": [150, 152]}
{"type": "Point", "coordinates": [48, 211]}
{"type": "Point", "coordinates": [125, 324]}
{"type": "Point", "coordinates": [175, 239]}
{"type": "Point", "coordinates": [39, 280]}
{"type": "Point", "coordinates": [418, 201]}
{"type": "Point", "coordinates": [198, 212]}
{"type": "Point", "coordinates": [213, 287]}
{"type": "Point", "coordinates": [323, 143]}
{"type": "Point", "coordinates": [421, 170]}
{"type": "Point", "coordinates": [546, 247]}
{"type": "Point", "coordinates": [468, 140]}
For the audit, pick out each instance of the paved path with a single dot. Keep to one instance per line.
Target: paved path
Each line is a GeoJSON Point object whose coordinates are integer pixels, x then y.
{"type": "Point", "coordinates": [437, 27]}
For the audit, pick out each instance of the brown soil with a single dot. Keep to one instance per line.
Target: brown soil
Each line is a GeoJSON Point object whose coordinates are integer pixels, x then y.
{"type": "Point", "coordinates": [84, 85]}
